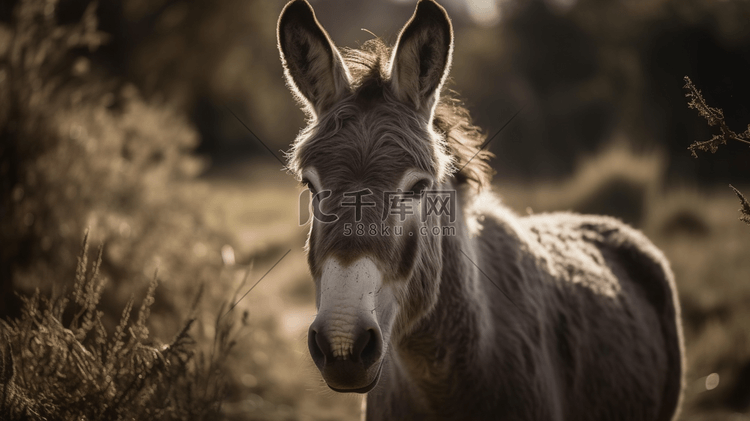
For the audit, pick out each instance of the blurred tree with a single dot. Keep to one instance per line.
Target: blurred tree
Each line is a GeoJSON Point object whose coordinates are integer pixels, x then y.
{"type": "Point", "coordinates": [595, 70]}
{"type": "Point", "coordinates": [586, 70]}
{"type": "Point", "coordinates": [79, 149]}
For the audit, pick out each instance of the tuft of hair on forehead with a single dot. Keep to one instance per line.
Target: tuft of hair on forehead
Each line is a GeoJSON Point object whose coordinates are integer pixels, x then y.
{"type": "Point", "coordinates": [459, 139]}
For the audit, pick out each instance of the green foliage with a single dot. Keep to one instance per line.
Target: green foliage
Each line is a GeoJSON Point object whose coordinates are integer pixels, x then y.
{"type": "Point", "coordinates": [58, 361]}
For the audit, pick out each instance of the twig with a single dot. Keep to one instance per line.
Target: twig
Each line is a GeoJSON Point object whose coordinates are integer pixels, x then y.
{"type": "Point", "coordinates": [745, 209]}
{"type": "Point", "coordinates": [714, 117]}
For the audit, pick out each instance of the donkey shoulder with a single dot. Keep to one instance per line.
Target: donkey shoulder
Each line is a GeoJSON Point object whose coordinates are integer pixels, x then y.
{"type": "Point", "coordinates": [598, 284]}
{"type": "Point", "coordinates": [613, 257]}
{"type": "Point", "coordinates": [595, 241]}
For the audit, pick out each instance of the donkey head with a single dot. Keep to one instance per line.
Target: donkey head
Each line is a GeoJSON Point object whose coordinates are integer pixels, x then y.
{"type": "Point", "coordinates": [369, 155]}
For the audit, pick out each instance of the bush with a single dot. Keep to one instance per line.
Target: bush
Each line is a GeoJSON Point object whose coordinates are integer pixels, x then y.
{"type": "Point", "coordinates": [80, 150]}
{"type": "Point", "coordinates": [58, 362]}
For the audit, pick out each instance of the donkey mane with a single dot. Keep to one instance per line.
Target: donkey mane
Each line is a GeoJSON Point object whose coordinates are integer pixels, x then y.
{"type": "Point", "coordinates": [462, 140]}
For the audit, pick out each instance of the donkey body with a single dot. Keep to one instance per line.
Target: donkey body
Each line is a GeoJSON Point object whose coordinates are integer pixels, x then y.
{"type": "Point", "coordinates": [564, 317]}
{"type": "Point", "coordinates": [545, 317]}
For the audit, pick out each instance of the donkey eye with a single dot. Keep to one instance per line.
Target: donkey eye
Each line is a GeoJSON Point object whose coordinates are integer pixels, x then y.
{"type": "Point", "coordinates": [309, 186]}
{"type": "Point", "coordinates": [420, 186]}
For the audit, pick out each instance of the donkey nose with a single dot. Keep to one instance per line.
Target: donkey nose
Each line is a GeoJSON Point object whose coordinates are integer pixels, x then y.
{"type": "Point", "coordinates": [364, 345]}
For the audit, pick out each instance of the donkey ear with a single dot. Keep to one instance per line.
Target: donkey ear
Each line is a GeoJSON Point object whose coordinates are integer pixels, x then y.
{"type": "Point", "coordinates": [422, 56]}
{"type": "Point", "coordinates": [312, 64]}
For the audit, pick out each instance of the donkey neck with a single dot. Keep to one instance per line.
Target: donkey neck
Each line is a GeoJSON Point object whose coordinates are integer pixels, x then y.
{"type": "Point", "coordinates": [450, 345]}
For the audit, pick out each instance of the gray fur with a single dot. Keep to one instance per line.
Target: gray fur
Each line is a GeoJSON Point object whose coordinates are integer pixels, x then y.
{"type": "Point", "coordinates": [546, 317]}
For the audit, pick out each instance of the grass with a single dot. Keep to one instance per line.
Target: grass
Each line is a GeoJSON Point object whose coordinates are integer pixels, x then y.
{"type": "Point", "coordinates": [696, 228]}
{"type": "Point", "coordinates": [271, 376]}
{"type": "Point", "coordinates": [60, 362]}
{"type": "Point", "coordinates": [86, 151]}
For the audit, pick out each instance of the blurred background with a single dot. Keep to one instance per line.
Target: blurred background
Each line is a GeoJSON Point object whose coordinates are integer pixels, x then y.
{"type": "Point", "coordinates": [145, 121]}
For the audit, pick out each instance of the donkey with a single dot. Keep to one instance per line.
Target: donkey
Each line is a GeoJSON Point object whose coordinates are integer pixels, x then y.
{"type": "Point", "coordinates": [469, 311]}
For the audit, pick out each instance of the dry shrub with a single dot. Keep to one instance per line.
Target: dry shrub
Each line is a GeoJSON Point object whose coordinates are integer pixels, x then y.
{"type": "Point", "coordinates": [715, 118]}
{"type": "Point", "coordinates": [745, 206]}
{"type": "Point", "coordinates": [58, 361]}
{"type": "Point", "coordinates": [77, 150]}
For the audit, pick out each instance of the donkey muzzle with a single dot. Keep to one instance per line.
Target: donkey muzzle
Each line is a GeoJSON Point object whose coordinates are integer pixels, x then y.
{"type": "Point", "coordinates": [345, 340]}
{"type": "Point", "coordinates": [348, 363]}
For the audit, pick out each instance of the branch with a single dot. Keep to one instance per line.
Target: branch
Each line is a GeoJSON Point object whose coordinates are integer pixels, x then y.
{"type": "Point", "coordinates": [745, 209]}
{"type": "Point", "coordinates": [714, 117]}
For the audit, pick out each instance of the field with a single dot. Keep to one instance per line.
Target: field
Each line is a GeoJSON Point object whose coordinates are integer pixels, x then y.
{"type": "Point", "coordinates": [193, 298]}
{"type": "Point", "coordinates": [255, 259]}
{"type": "Point", "coordinates": [698, 230]}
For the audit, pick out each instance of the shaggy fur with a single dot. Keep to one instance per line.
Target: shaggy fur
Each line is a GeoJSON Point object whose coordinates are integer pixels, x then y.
{"type": "Point", "coordinates": [547, 317]}
{"type": "Point", "coordinates": [374, 106]}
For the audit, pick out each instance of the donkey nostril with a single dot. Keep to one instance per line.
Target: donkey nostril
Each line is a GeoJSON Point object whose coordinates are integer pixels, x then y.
{"type": "Point", "coordinates": [369, 348]}
{"type": "Point", "coordinates": [316, 350]}
{"type": "Point", "coordinates": [366, 350]}
{"type": "Point", "coordinates": [372, 346]}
